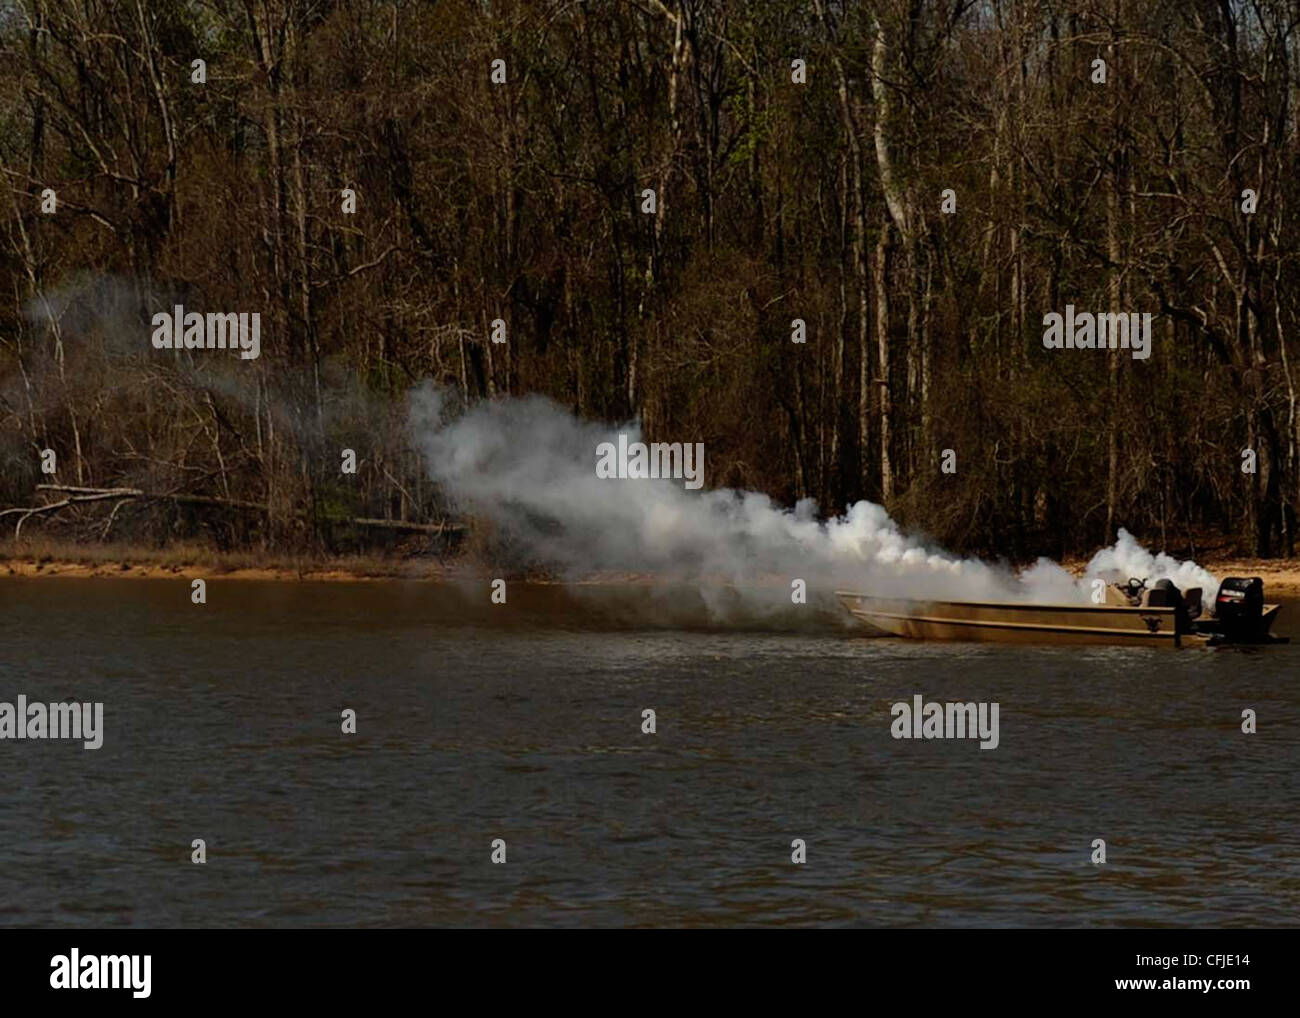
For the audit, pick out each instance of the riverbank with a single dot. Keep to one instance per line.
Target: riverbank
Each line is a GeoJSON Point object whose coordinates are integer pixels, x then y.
{"type": "Point", "coordinates": [1281, 576]}
{"type": "Point", "coordinates": [39, 558]}
{"type": "Point", "coordinates": [36, 559]}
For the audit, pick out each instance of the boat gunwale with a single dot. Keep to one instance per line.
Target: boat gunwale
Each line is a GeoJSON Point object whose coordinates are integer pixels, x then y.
{"type": "Point", "coordinates": [1144, 635]}
{"type": "Point", "coordinates": [1023, 606]}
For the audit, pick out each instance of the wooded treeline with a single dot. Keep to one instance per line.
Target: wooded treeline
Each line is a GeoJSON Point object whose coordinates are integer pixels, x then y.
{"type": "Point", "coordinates": [776, 200]}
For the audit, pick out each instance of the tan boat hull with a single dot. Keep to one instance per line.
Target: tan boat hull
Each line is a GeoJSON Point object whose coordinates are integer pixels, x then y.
{"type": "Point", "coordinates": [1016, 623]}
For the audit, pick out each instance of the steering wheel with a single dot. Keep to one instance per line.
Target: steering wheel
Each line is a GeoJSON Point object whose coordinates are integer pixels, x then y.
{"type": "Point", "coordinates": [1134, 587]}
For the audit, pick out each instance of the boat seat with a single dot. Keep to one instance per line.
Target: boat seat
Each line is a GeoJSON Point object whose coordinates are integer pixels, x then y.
{"type": "Point", "coordinates": [1163, 595]}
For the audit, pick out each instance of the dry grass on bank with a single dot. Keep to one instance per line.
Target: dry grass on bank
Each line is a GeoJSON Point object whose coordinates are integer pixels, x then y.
{"type": "Point", "coordinates": [41, 556]}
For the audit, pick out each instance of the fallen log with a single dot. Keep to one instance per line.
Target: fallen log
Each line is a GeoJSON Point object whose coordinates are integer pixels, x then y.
{"type": "Point", "coordinates": [29, 511]}
{"type": "Point", "coordinates": [138, 493]}
{"type": "Point", "coordinates": [426, 528]}
{"type": "Point", "coordinates": [76, 495]}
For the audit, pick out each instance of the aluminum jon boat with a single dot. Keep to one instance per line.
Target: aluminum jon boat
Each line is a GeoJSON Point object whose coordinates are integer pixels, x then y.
{"type": "Point", "coordinates": [1132, 614]}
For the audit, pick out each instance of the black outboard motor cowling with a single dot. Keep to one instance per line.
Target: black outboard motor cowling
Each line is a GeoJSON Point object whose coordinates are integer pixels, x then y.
{"type": "Point", "coordinates": [1239, 607]}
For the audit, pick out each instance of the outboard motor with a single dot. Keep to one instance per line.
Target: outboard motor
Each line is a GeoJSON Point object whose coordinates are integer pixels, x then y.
{"type": "Point", "coordinates": [1239, 607]}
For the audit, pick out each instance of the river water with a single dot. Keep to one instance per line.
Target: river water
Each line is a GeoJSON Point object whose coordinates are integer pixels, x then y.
{"type": "Point", "coordinates": [522, 722]}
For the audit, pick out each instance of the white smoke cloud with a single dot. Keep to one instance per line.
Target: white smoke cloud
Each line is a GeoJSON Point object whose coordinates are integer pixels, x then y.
{"type": "Point", "coordinates": [1126, 558]}
{"type": "Point", "coordinates": [529, 466]}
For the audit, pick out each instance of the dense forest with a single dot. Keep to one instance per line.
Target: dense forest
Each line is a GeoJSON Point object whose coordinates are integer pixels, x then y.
{"type": "Point", "coordinates": [645, 195]}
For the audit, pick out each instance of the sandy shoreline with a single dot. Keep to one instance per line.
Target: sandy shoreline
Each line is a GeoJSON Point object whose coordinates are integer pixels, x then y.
{"type": "Point", "coordinates": [28, 568]}
{"type": "Point", "coordinates": [1281, 576]}
{"type": "Point", "coordinates": [127, 567]}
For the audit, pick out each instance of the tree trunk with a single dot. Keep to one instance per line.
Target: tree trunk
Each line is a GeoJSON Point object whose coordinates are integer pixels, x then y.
{"type": "Point", "coordinates": [879, 276]}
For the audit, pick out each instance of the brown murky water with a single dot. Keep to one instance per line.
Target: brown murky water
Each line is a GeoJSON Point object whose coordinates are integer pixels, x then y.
{"type": "Point", "coordinates": [523, 722]}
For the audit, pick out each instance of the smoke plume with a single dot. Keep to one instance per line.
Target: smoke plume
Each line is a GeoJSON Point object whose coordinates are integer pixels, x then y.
{"type": "Point", "coordinates": [528, 465]}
